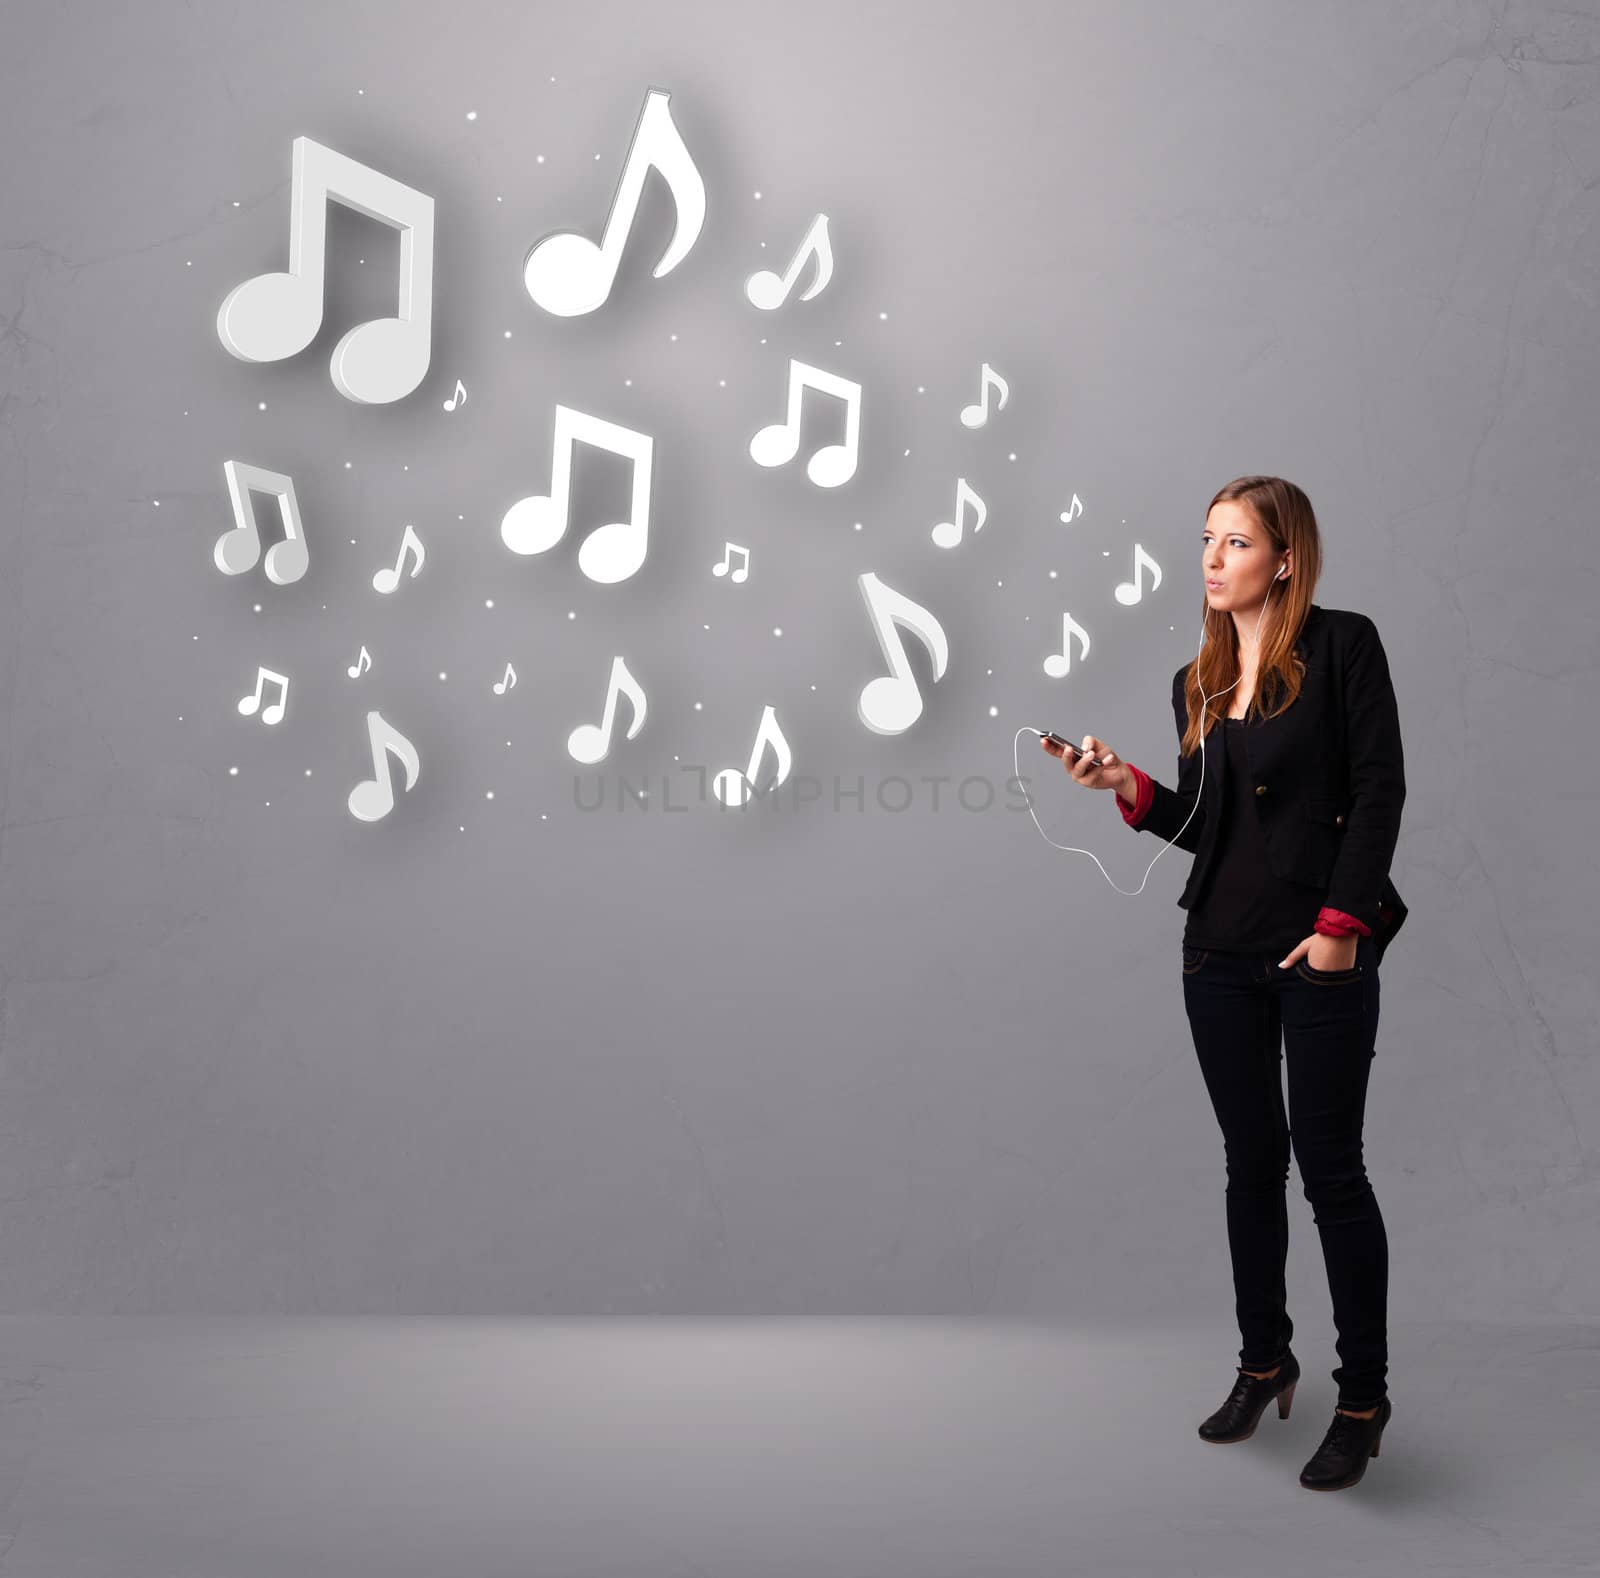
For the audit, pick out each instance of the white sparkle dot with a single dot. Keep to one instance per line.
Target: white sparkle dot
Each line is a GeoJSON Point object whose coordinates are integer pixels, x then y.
{"type": "Point", "coordinates": [908, 451]}
{"type": "Point", "coordinates": [838, 342]}
{"type": "Point", "coordinates": [308, 772]}
{"type": "Point", "coordinates": [461, 517]}
{"type": "Point", "coordinates": [705, 627]}
{"type": "Point", "coordinates": [196, 638]}
{"type": "Point", "coordinates": [882, 316]}
{"type": "Point", "coordinates": [813, 687]}
{"type": "Point", "coordinates": [763, 341]}
{"type": "Point", "coordinates": [186, 413]}
{"type": "Point", "coordinates": [1052, 575]}
{"type": "Point", "coordinates": [233, 772]}
{"type": "Point", "coordinates": [674, 336]}
{"type": "Point", "coordinates": [723, 382]}
{"type": "Point", "coordinates": [571, 614]}
{"type": "Point", "coordinates": [858, 525]}
{"type": "Point", "coordinates": [258, 608]}
{"type": "Point", "coordinates": [352, 544]}
{"type": "Point", "coordinates": [627, 383]}
{"type": "Point", "coordinates": [488, 794]}
{"type": "Point", "coordinates": [236, 202]}
{"type": "Point", "coordinates": [472, 115]}
{"type": "Point", "coordinates": [261, 405]}
{"type": "Point", "coordinates": [462, 826]}
{"type": "Point", "coordinates": [777, 630]}
{"type": "Point", "coordinates": [597, 156]}
{"type": "Point", "coordinates": [758, 197]}
{"type": "Point", "coordinates": [405, 468]}
{"type": "Point", "coordinates": [499, 199]}
{"type": "Point", "coordinates": [442, 674]}
{"type": "Point", "coordinates": [994, 712]}
{"type": "Point", "coordinates": [922, 388]}
{"type": "Point", "coordinates": [999, 583]}
{"type": "Point", "coordinates": [156, 502]}
{"type": "Point", "coordinates": [488, 602]}
{"type": "Point", "coordinates": [1012, 455]}
{"type": "Point", "coordinates": [698, 705]}
{"type": "Point", "coordinates": [988, 671]}
{"type": "Point", "coordinates": [269, 802]}
{"type": "Point", "coordinates": [544, 816]}
{"type": "Point", "coordinates": [180, 717]}
{"type": "Point", "coordinates": [508, 334]}
{"type": "Point", "coordinates": [347, 465]}
{"type": "Point", "coordinates": [539, 158]}
{"type": "Point", "coordinates": [188, 262]}
{"type": "Point", "coordinates": [361, 90]}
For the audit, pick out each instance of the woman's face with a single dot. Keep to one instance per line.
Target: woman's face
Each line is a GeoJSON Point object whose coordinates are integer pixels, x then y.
{"type": "Point", "coordinates": [1236, 552]}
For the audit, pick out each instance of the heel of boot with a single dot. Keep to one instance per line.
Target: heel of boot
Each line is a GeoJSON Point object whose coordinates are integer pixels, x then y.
{"type": "Point", "coordinates": [1375, 1446]}
{"type": "Point", "coordinates": [1286, 1396]}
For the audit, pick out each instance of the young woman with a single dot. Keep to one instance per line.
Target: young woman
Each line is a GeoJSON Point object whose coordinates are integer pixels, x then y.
{"type": "Point", "coordinates": [1291, 779]}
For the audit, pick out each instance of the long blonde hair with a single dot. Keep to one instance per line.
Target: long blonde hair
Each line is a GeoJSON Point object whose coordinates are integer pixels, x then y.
{"type": "Point", "coordinates": [1284, 513]}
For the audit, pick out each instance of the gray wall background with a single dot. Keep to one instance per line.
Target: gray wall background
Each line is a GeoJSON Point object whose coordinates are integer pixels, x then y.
{"type": "Point", "coordinates": [511, 1056]}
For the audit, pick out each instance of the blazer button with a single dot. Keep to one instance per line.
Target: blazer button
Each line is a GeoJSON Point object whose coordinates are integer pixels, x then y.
{"type": "Point", "coordinates": [1338, 821]}
{"type": "Point", "coordinates": [1261, 788]}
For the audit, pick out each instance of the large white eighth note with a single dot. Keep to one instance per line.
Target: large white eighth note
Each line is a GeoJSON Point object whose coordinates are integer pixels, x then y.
{"type": "Point", "coordinates": [733, 787]}
{"type": "Point", "coordinates": [273, 316]}
{"type": "Point", "coordinates": [588, 743]}
{"type": "Point", "coordinates": [373, 798]}
{"type": "Point", "coordinates": [780, 441]}
{"type": "Point", "coordinates": [537, 523]}
{"type": "Point", "coordinates": [890, 705]}
{"type": "Point", "coordinates": [567, 274]}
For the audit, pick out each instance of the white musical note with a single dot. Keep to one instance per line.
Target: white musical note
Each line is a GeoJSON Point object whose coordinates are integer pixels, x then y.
{"type": "Point", "coordinates": [1129, 592]}
{"type": "Point", "coordinates": [743, 572]}
{"type": "Point", "coordinates": [948, 533]}
{"type": "Point", "coordinates": [458, 398]}
{"type": "Point", "coordinates": [373, 798]}
{"type": "Point", "coordinates": [273, 316]}
{"type": "Point", "coordinates": [609, 553]}
{"type": "Point", "coordinates": [362, 663]}
{"type": "Point", "coordinates": [248, 705]}
{"type": "Point", "coordinates": [1059, 664]}
{"type": "Point", "coordinates": [767, 291]}
{"type": "Point", "coordinates": [734, 787]}
{"type": "Point", "coordinates": [977, 415]}
{"type": "Point", "coordinates": [567, 274]}
{"type": "Point", "coordinates": [1076, 508]}
{"type": "Point", "coordinates": [589, 743]}
{"type": "Point", "coordinates": [386, 580]}
{"type": "Point", "coordinates": [507, 681]}
{"type": "Point", "coordinates": [780, 442]}
{"type": "Point", "coordinates": [238, 548]}
{"type": "Point", "coordinates": [893, 703]}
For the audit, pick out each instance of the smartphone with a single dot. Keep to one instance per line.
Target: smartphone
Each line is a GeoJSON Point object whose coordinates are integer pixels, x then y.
{"type": "Point", "coordinates": [1056, 739]}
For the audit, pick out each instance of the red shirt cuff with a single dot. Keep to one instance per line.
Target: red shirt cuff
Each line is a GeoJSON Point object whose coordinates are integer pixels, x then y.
{"type": "Point", "coordinates": [1134, 814]}
{"type": "Point", "coordinates": [1336, 923]}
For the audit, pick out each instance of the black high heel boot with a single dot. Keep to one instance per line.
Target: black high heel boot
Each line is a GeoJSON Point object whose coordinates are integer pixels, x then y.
{"type": "Point", "coordinates": [1341, 1460]}
{"type": "Point", "coordinates": [1236, 1420]}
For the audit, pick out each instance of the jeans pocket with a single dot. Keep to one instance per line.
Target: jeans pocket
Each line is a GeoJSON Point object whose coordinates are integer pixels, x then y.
{"type": "Point", "coordinates": [1193, 958]}
{"type": "Point", "coordinates": [1307, 972]}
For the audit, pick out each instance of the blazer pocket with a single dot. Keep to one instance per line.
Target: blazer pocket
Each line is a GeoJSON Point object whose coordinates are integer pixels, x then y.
{"type": "Point", "coordinates": [1326, 810]}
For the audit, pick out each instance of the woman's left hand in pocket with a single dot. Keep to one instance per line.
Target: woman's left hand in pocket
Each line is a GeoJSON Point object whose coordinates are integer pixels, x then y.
{"type": "Point", "coordinates": [1324, 953]}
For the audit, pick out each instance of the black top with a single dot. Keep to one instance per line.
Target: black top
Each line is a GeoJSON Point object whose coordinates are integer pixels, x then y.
{"type": "Point", "coordinates": [1244, 907]}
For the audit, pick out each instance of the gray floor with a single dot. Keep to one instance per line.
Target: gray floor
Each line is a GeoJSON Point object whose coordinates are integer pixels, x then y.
{"type": "Point", "coordinates": [241, 1448]}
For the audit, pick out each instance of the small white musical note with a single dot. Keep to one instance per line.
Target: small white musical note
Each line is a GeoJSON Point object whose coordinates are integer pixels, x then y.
{"type": "Point", "coordinates": [1059, 664]}
{"type": "Point", "coordinates": [567, 274]}
{"type": "Point", "coordinates": [362, 663]}
{"type": "Point", "coordinates": [458, 398]}
{"type": "Point", "coordinates": [1075, 509]}
{"type": "Point", "coordinates": [588, 742]}
{"type": "Point", "coordinates": [890, 705]}
{"type": "Point", "coordinates": [734, 787]}
{"type": "Point", "coordinates": [977, 415]}
{"type": "Point", "coordinates": [780, 442]}
{"type": "Point", "coordinates": [767, 291]}
{"type": "Point", "coordinates": [609, 553]}
{"type": "Point", "coordinates": [249, 705]}
{"type": "Point", "coordinates": [273, 316]}
{"type": "Point", "coordinates": [948, 533]}
{"type": "Point", "coordinates": [743, 572]}
{"type": "Point", "coordinates": [238, 549]}
{"type": "Point", "coordinates": [507, 681]}
{"type": "Point", "coordinates": [373, 798]}
{"type": "Point", "coordinates": [1129, 592]}
{"type": "Point", "coordinates": [386, 580]}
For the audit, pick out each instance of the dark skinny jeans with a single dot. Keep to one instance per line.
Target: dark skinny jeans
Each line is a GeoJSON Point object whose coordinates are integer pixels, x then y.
{"type": "Point", "coordinates": [1243, 1012]}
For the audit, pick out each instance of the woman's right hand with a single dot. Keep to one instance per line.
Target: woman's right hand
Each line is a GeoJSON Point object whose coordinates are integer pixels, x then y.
{"type": "Point", "coordinates": [1105, 771]}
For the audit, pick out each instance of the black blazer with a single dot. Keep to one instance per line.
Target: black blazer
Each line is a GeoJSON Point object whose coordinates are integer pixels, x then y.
{"type": "Point", "coordinates": [1329, 775]}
